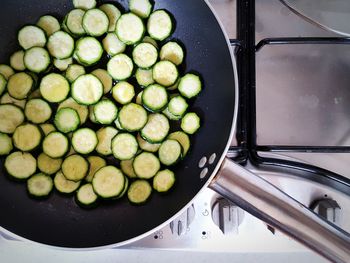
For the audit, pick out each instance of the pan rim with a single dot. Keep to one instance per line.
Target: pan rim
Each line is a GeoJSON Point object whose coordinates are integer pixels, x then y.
{"type": "Point", "coordinates": [7, 235]}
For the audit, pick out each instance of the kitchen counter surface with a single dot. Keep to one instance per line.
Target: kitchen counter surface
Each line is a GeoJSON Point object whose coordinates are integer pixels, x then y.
{"type": "Point", "coordinates": [35, 253]}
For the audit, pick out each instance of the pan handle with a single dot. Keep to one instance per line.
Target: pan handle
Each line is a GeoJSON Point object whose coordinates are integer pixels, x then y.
{"type": "Point", "coordinates": [265, 201]}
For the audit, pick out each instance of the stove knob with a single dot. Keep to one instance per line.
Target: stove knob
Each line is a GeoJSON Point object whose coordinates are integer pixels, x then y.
{"type": "Point", "coordinates": [327, 208]}
{"type": "Point", "coordinates": [227, 216]}
{"type": "Point", "coordinates": [180, 224]}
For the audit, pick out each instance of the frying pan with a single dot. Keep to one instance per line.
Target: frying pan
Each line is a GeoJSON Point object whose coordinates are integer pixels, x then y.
{"type": "Point", "coordinates": [58, 221]}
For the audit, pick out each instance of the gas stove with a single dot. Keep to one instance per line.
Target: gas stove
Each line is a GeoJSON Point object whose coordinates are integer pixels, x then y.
{"type": "Point", "coordinates": [293, 130]}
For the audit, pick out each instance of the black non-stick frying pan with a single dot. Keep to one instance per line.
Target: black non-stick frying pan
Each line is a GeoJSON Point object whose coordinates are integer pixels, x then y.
{"type": "Point", "coordinates": [58, 221]}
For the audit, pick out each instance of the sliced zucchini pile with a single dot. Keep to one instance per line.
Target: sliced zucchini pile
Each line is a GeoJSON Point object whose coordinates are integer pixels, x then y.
{"type": "Point", "coordinates": [87, 104]}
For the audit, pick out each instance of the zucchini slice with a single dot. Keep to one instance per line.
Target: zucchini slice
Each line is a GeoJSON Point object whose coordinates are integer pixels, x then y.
{"type": "Point", "coordinates": [74, 22]}
{"type": "Point", "coordinates": [95, 163]}
{"type": "Point", "coordinates": [17, 60]}
{"type": "Point", "coordinates": [190, 123]}
{"type": "Point", "coordinates": [127, 168]}
{"type": "Point", "coordinates": [145, 55]}
{"type": "Point", "coordinates": [84, 4]}
{"type": "Point", "coordinates": [60, 45]}
{"type": "Point", "coordinates": [95, 22]}
{"type": "Point", "coordinates": [11, 117]}
{"type": "Point", "coordinates": [88, 51]}
{"type": "Point", "coordinates": [75, 167]}
{"type": "Point", "coordinates": [6, 71]}
{"type": "Point", "coordinates": [74, 71]}
{"type": "Point", "coordinates": [67, 120]}
{"type": "Point", "coordinates": [190, 86]}
{"type": "Point", "coordinates": [64, 185]}
{"type": "Point", "coordinates": [3, 84]}
{"type": "Point", "coordinates": [169, 152]}
{"type": "Point", "coordinates": [19, 85]}
{"type": "Point", "coordinates": [113, 14]}
{"type": "Point", "coordinates": [172, 52]}
{"type": "Point", "coordinates": [165, 73]}
{"type": "Point", "coordinates": [20, 165]}
{"type": "Point", "coordinates": [146, 165]}
{"type": "Point", "coordinates": [148, 39]}
{"type": "Point", "coordinates": [105, 136]}
{"type": "Point", "coordinates": [27, 137]}
{"type": "Point", "coordinates": [108, 182]}
{"type": "Point", "coordinates": [54, 88]}
{"type": "Point", "coordinates": [139, 98]}
{"type": "Point", "coordinates": [117, 124]}
{"type": "Point", "coordinates": [62, 64]}
{"type": "Point", "coordinates": [31, 36]}
{"type": "Point", "coordinates": [126, 187]}
{"type": "Point", "coordinates": [86, 196]}
{"type": "Point", "coordinates": [142, 8]}
{"type": "Point", "coordinates": [120, 67]}
{"type": "Point", "coordinates": [155, 98]}
{"type": "Point", "coordinates": [139, 192]}
{"type": "Point", "coordinates": [177, 106]}
{"type": "Point", "coordinates": [156, 129]}
{"type": "Point", "coordinates": [7, 99]}
{"type": "Point", "coordinates": [39, 185]}
{"type": "Point", "coordinates": [5, 144]}
{"type": "Point", "coordinates": [183, 139]}
{"type": "Point", "coordinates": [171, 116]}
{"type": "Point", "coordinates": [175, 86]}
{"type": "Point", "coordinates": [105, 111]}
{"type": "Point", "coordinates": [84, 140]}
{"type": "Point", "coordinates": [35, 94]}
{"type": "Point", "coordinates": [130, 28]}
{"type": "Point", "coordinates": [87, 89]}
{"type": "Point", "coordinates": [37, 111]}
{"type": "Point", "coordinates": [124, 146]}
{"type": "Point", "coordinates": [47, 128]}
{"type": "Point", "coordinates": [163, 181]}
{"type": "Point", "coordinates": [49, 24]}
{"type": "Point", "coordinates": [82, 110]}
{"type": "Point", "coordinates": [112, 45]}
{"type": "Point", "coordinates": [105, 78]}
{"type": "Point", "coordinates": [132, 117]}
{"type": "Point", "coordinates": [37, 59]}
{"type": "Point", "coordinates": [64, 26]}
{"type": "Point", "coordinates": [48, 165]}
{"type": "Point", "coordinates": [159, 25]}
{"type": "Point", "coordinates": [146, 146]}
{"type": "Point", "coordinates": [144, 77]}
{"type": "Point", "coordinates": [123, 92]}
{"type": "Point", "coordinates": [91, 114]}
{"type": "Point", "coordinates": [55, 145]}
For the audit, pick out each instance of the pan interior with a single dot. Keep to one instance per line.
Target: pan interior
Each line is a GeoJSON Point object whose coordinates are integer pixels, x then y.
{"type": "Point", "coordinates": [59, 221]}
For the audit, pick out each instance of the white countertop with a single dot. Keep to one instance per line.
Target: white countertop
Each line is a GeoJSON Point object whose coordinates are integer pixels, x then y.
{"type": "Point", "coordinates": [19, 252]}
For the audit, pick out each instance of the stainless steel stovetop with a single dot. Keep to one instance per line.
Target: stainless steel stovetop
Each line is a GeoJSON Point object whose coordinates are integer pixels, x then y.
{"type": "Point", "coordinates": [308, 85]}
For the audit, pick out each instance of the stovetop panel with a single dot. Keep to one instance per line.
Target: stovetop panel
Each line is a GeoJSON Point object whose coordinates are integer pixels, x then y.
{"type": "Point", "coordinates": [302, 98]}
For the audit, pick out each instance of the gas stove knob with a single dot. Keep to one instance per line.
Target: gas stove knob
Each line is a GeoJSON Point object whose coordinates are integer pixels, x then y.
{"type": "Point", "coordinates": [327, 208]}
{"type": "Point", "coordinates": [227, 216]}
{"type": "Point", "coordinates": [180, 225]}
